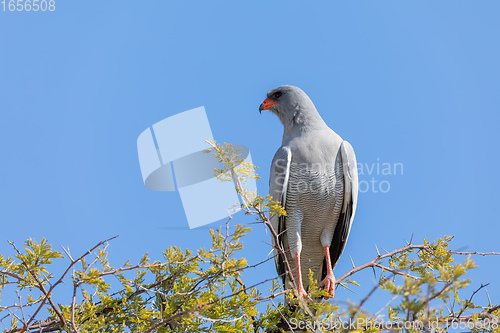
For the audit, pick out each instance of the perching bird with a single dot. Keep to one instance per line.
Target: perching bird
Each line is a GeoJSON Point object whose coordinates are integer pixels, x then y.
{"type": "Point", "coordinates": [314, 176]}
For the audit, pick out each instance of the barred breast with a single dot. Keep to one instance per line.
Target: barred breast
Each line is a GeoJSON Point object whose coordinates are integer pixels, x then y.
{"type": "Point", "coordinates": [315, 191]}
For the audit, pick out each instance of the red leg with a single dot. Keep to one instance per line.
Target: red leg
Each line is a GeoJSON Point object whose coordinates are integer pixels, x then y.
{"type": "Point", "coordinates": [300, 287]}
{"type": "Point", "coordinates": [329, 280]}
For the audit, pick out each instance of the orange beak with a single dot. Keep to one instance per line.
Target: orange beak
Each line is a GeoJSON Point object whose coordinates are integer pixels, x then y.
{"type": "Point", "coordinates": [266, 104]}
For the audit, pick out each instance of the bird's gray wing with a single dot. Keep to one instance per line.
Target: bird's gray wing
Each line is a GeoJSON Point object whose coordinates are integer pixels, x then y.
{"type": "Point", "coordinates": [349, 203]}
{"type": "Point", "coordinates": [278, 184]}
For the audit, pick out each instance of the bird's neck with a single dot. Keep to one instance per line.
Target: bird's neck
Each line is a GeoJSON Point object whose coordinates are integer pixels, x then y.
{"type": "Point", "coordinates": [302, 122]}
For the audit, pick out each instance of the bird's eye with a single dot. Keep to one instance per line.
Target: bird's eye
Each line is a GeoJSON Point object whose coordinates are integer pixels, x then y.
{"type": "Point", "coordinates": [277, 94]}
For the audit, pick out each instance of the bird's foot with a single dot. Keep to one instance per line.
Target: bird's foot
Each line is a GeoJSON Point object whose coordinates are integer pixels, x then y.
{"type": "Point", "coordinates": [302, 292]}
{"type": "Point", "coordinates": [328, 284]}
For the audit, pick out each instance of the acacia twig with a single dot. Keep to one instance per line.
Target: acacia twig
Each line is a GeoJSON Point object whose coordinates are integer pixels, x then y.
{"type": "Point", "coordinates": [48, 293]}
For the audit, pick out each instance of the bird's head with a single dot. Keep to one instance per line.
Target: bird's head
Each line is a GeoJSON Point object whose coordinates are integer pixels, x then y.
{"type": "Point", "coordinates": [292, 106]}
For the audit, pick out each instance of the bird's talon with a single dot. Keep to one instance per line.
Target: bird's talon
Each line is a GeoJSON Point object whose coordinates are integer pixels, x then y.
{"type": "Point", "coordinates": [302, 293]}
{"type": "Point", "coordinates": [328, 284]}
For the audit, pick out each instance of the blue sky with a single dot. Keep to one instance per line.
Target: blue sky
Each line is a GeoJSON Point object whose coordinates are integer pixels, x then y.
{"type": "Point", "coordinates": [410, 82]}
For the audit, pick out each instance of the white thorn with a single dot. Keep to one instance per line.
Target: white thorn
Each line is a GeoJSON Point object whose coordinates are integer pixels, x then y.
{"type": "Point", "coordinates": [352, 262]}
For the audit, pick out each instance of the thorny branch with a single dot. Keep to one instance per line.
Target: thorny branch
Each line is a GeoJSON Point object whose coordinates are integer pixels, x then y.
{"type": "Point", "coordinates": [43, 290]}
{"type": "Point", "coordinates": [50, 326]}
{"type": "Point", "coordinates": [373, 262]}
{"type": "Point", "coordinates": [205, 282]}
